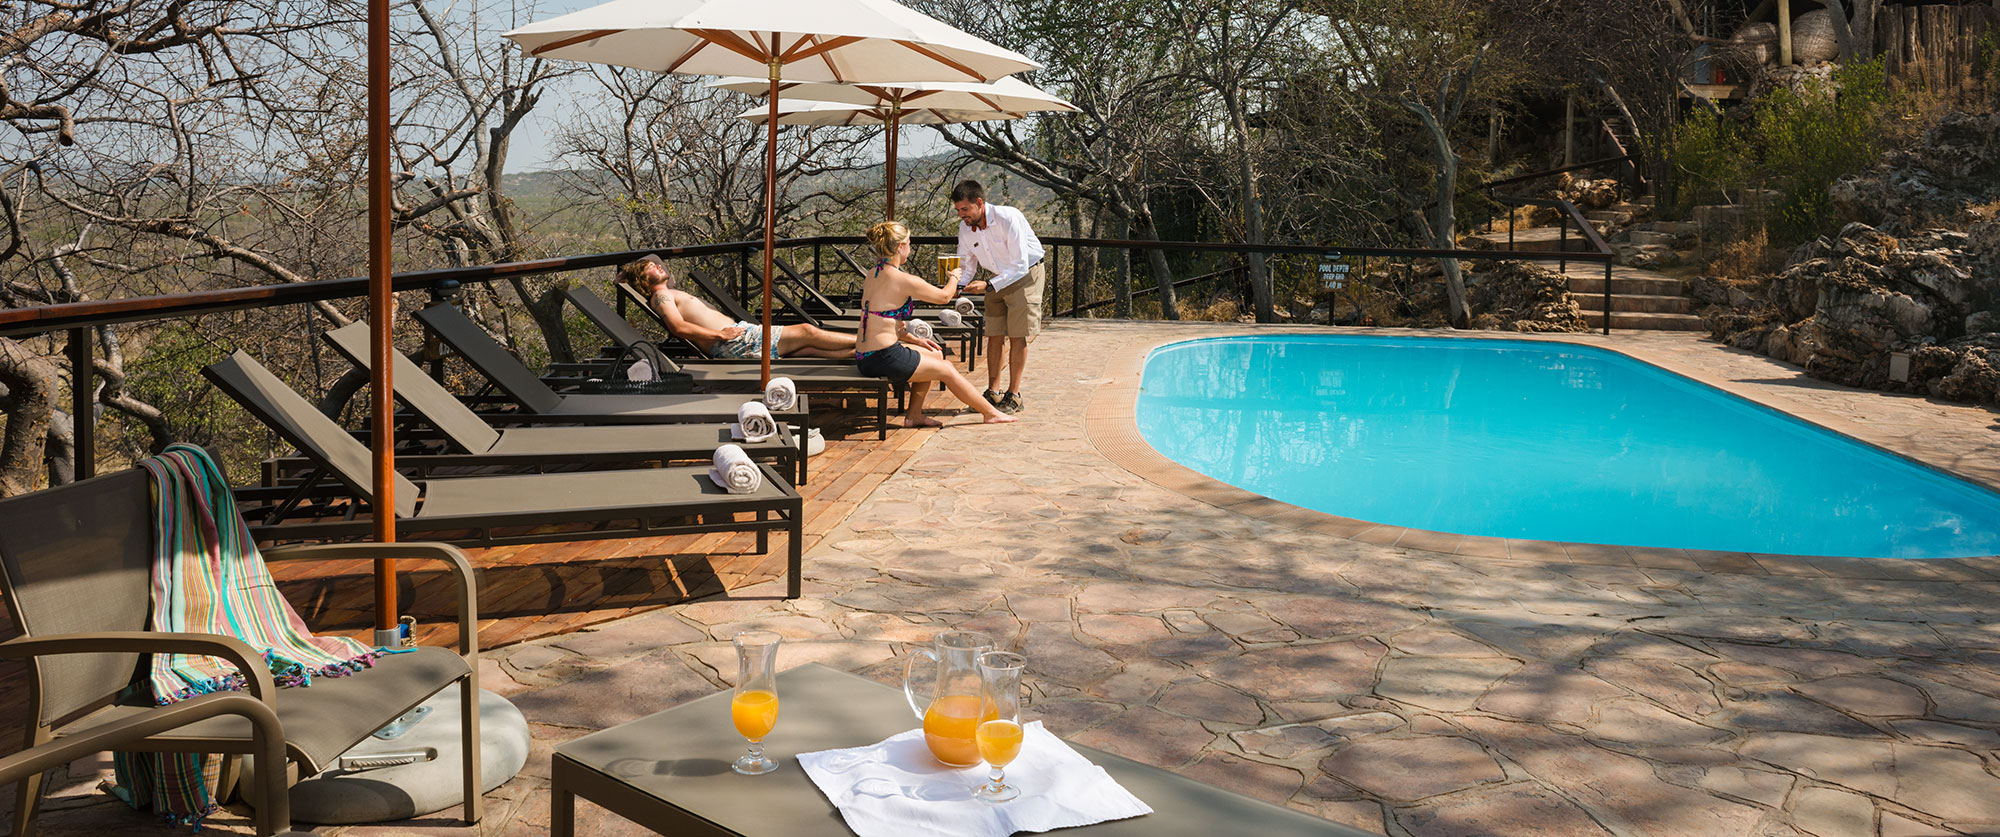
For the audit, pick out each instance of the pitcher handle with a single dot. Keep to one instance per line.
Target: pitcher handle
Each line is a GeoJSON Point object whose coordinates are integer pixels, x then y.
{"type": "Point", "coordinates": [909, 668]}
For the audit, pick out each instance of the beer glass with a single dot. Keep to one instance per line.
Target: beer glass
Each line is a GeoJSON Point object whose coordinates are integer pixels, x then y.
{"type": "Point", "coordinates": [754, 709]}
{"type": "Point", "coordinates": [946, 264]}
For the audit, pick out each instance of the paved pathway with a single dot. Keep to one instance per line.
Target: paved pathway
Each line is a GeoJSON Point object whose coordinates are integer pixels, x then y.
{"type": "Point", "coordinates": [1392, 688]}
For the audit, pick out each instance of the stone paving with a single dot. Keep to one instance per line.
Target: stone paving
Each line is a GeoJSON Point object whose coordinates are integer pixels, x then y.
{"type": "Point", "coordinates": [1392, 688]}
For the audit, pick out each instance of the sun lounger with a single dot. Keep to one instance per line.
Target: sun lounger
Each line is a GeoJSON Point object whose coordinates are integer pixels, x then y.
{"type": "Point", "coordinates": [476, 442]}
{"type": "Point", "coordinates": [541, 405]}
{"type": "Point", "coordinates": [490, 511]}
{"type": "Point", "coordinates": [811, 377]}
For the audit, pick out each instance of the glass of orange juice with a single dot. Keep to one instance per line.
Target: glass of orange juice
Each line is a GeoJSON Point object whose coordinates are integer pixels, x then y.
{"type": "Point", "coordinates": [754, 709]}
{"type": "Point", "coordinates": [999, 734]}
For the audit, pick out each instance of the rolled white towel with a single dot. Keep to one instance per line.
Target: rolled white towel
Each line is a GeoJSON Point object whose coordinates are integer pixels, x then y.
{"type": "Point", "coordinates": [734, 472]}
{"type": "Point", "coordinates": [920, 330]}
{"type": "Point", "coordinates": [754, 421]}
{"type": "Point", "coordinates": [951, 318]}
{"type": "Point", "coordinates": [781, 394]}
{"type": "Point", "coordinates": [964, 307]}
{"type": "Point", "coordinates": [640, 370]}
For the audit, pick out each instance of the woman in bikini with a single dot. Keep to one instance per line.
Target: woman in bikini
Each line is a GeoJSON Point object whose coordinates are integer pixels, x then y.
{"type": "Point", "coordinates": [886, 349]}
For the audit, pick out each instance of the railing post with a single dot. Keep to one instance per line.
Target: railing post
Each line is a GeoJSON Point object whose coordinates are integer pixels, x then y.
{"type": "Point", "coordinates": [1510, 228]}
{"type": "Point", "coordinates": [816, 285]}
{"type": "Point", "coordinates": [1563, 248]}
{"type": "Point", "coordinates": [1055, 277]}
{"type": "Point", "coordinates": [1607, 298]}
{"type": "Point", "coordinates": [82, 398]}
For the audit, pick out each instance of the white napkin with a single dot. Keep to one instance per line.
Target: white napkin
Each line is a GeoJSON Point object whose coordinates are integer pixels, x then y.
{"type": "Point", "coordinates": [920, 330]}
{"type": "Point", "coordinates": [963, 306]}
{"type": "Point", "coordinates": [894, 788]}
{"type": "Point", "coordinates": [951, 318]}
{"type": "Point", "coordinates": [734, 472]}
{"type": "Point", "coordinates": [781, 394]}
{"type": "Point", "coordinates": [754, 422]}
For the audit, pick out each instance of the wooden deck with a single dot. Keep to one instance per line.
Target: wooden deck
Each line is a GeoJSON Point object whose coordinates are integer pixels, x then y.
{"type": "Point", "coordinates": [527, 592]}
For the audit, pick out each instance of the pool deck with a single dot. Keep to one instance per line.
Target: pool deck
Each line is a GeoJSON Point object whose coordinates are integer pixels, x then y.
{"type": "Point", "coordinates": [1408, 685]}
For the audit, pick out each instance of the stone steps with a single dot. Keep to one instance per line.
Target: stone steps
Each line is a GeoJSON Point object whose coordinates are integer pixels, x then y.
{"type": "Point", "coordinates": [1637, 321]}
{"type": "Point", "coordinates": [1637, 303]}
{"type": "Point", "coordinates": [1586, 284]}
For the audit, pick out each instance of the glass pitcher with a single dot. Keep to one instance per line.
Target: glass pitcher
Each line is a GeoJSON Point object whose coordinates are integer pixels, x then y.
{"type": "Point", "coordinates": [950, 708]}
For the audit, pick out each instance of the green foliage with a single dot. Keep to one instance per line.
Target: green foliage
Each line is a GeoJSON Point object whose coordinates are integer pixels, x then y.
{"type": "Point", "coordinates": [1711, 159]}
{"type": "Point", "coordinates": [1797, 142]}
{"type": "Point", "coordinates": [1810, 138]}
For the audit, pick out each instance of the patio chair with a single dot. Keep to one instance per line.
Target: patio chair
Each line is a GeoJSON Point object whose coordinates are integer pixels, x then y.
{"type": "Point", "coordinates": [76, 569]}
{"type": "Point", "coordinates": [493, 510]}
{"type": "Point", "coordinates": [479, 443]}
{"type": "Point", "coordinates": [497, 364]}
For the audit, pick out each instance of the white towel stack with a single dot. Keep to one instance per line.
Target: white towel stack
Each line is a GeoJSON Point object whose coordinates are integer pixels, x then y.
{"type": "Point", "coordinates": [951, 318]}
{"type": "Point", "coordinates": [781, 394]}
{"type": "Point", "coordinates": [964, 307]}
{"type": "Point", "coordinates": [754, 422]}
{"type": "Point", "coordinates": [734, 472]}
{"type": "Point", "coordinates": [920, 330]}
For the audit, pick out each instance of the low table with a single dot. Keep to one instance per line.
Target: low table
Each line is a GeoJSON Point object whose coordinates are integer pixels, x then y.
{"type": "Point", "coordinates": [670, 771]}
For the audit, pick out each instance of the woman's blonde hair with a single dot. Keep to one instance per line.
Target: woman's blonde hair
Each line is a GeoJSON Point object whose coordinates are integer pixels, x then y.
{"type": "Point", "coordinates": [886, 237]}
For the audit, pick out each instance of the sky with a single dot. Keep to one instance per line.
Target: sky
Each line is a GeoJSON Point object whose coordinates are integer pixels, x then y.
{"type": "Point", "coordinates": [532, 144]}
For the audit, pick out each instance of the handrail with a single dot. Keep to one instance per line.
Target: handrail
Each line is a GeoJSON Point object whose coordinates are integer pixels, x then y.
{"type": "Point", "coordinates": [1139, 292]}
{"type": "Point", "coordinates": [20, 322]}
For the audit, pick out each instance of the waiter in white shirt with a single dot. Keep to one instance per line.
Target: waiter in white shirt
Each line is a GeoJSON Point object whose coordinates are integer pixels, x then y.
{"type": "Point", "coordinates": [998, 238]}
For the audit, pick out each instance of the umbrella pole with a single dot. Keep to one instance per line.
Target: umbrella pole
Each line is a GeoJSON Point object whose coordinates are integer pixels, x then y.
{"type": "Point", "coordinates": [895, 138]}
{"type": "Point", "coordinates": [380, 312]}
{"type": "Point", "coordinates": [770, 203]}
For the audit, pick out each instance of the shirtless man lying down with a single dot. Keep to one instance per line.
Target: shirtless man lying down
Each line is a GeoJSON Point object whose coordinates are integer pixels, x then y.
{"type": "Point", "coordinates": [693, 320]}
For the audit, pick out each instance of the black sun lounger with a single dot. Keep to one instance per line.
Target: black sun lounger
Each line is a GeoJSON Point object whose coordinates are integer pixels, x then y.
{"type": "Point", "coordinates": [542, 405]}
{"type": "Point", "coordinates": [492, 511]}
{"type": "Point", "coordinates": [475, 442]}
{"type": "Point", "coordinates": [492, 359]}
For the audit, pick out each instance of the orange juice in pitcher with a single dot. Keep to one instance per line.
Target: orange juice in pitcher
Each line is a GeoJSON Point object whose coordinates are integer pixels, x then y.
{"type": "Point", "coordinates": [950, 707]}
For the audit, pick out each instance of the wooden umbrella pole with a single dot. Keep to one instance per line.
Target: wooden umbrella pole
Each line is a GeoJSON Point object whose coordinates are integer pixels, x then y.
{"type": "Point", "coordinates": [895, 138]}
{"type": "Point", "coordinates": [380, 312]}
{"type": "Point", "coordinates": [770, 203]}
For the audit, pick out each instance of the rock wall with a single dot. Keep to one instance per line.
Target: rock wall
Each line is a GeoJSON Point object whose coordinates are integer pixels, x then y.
{"type": "Point", "coordinates": [1918, 313]}
{"type": "Point", "coordinates": [1957, 164]}
{"type": "Point", "coordinates": [1519, 296]}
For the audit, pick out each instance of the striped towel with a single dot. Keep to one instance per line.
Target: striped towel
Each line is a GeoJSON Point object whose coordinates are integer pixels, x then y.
{"type": "Point", "coordinates": [208, 578]}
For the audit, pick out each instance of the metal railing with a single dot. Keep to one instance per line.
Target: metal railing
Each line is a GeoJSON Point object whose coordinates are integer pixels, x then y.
{"type": "Point", "coordinates": [78, 318]}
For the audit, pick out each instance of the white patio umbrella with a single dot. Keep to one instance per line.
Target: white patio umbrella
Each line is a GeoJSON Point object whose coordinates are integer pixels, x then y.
{"type": "Point", "coordinates": [850, 41]}
{"type": "Point", "coordinates": [896, 103]}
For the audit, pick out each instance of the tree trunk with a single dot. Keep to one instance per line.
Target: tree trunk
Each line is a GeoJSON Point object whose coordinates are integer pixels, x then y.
{"type": "Point", "coordinates": [27, 398]}
{"type": "Point", "coordinates": [1444, 222]}
{"type": "Point", "coordinates": [1163, 276]}
{"type": "Point", "coordinates": [547, 311]}
{"type": "Point", "coordinates": [1253, 216]}
{"type": "Point", "coordinates": [1123, 291]}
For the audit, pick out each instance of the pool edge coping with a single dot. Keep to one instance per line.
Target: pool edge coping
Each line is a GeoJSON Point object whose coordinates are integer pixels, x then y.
{"type": "Point", "coordinates": [1111, 425]}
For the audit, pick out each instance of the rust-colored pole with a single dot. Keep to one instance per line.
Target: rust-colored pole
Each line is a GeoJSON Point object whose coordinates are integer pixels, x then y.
{"type": "Point", "coordinates": [381, 310]}
{"type": "Point", "coordinates": [895, 137]}
{"type": "Point", "coordinates": [770, 202]}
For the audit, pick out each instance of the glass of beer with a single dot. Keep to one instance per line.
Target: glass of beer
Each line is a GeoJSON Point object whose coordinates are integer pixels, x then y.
{"type": "Point", "coordinates": [946, 264]}
{"type": "Point", "coordinates": [999, 733]}
{"type": "Point", "coordinates": [754, 709]}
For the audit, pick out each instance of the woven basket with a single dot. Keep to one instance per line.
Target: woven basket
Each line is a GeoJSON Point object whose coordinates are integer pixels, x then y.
{"type": "Point", "coordinates": [1812, 38]}
{"type": "Point", "coordinates": [1756, 44]}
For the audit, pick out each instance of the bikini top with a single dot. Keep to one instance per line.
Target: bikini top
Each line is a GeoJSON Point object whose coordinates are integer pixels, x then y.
{"type": "Point", "coordinates": [908, 309]}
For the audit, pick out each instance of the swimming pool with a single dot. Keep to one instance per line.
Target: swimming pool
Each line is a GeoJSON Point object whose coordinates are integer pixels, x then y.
{"type": "Point", "coordinates": [1519, 439]}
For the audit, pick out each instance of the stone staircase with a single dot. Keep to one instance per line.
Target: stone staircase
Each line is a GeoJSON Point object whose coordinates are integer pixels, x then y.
{"type": "Point", "coordinates": [1641, 300]}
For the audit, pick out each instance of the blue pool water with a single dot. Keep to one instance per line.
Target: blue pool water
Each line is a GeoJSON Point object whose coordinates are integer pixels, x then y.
{"type": "Point", "coordinates": [1538, 441]}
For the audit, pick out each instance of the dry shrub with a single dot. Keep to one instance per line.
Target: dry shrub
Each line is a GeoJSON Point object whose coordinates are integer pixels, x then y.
{"type": "Point", "coordinates": [1981, 213]}
{"type": "Point", "coordinates": [1218, 311]}
{"type": "Point", "coordinates": [1747, 260]}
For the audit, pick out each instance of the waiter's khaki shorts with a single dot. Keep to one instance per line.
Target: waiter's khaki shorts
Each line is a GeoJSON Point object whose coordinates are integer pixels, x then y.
{"type": "Point", "coordinates": [1017, 311]}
